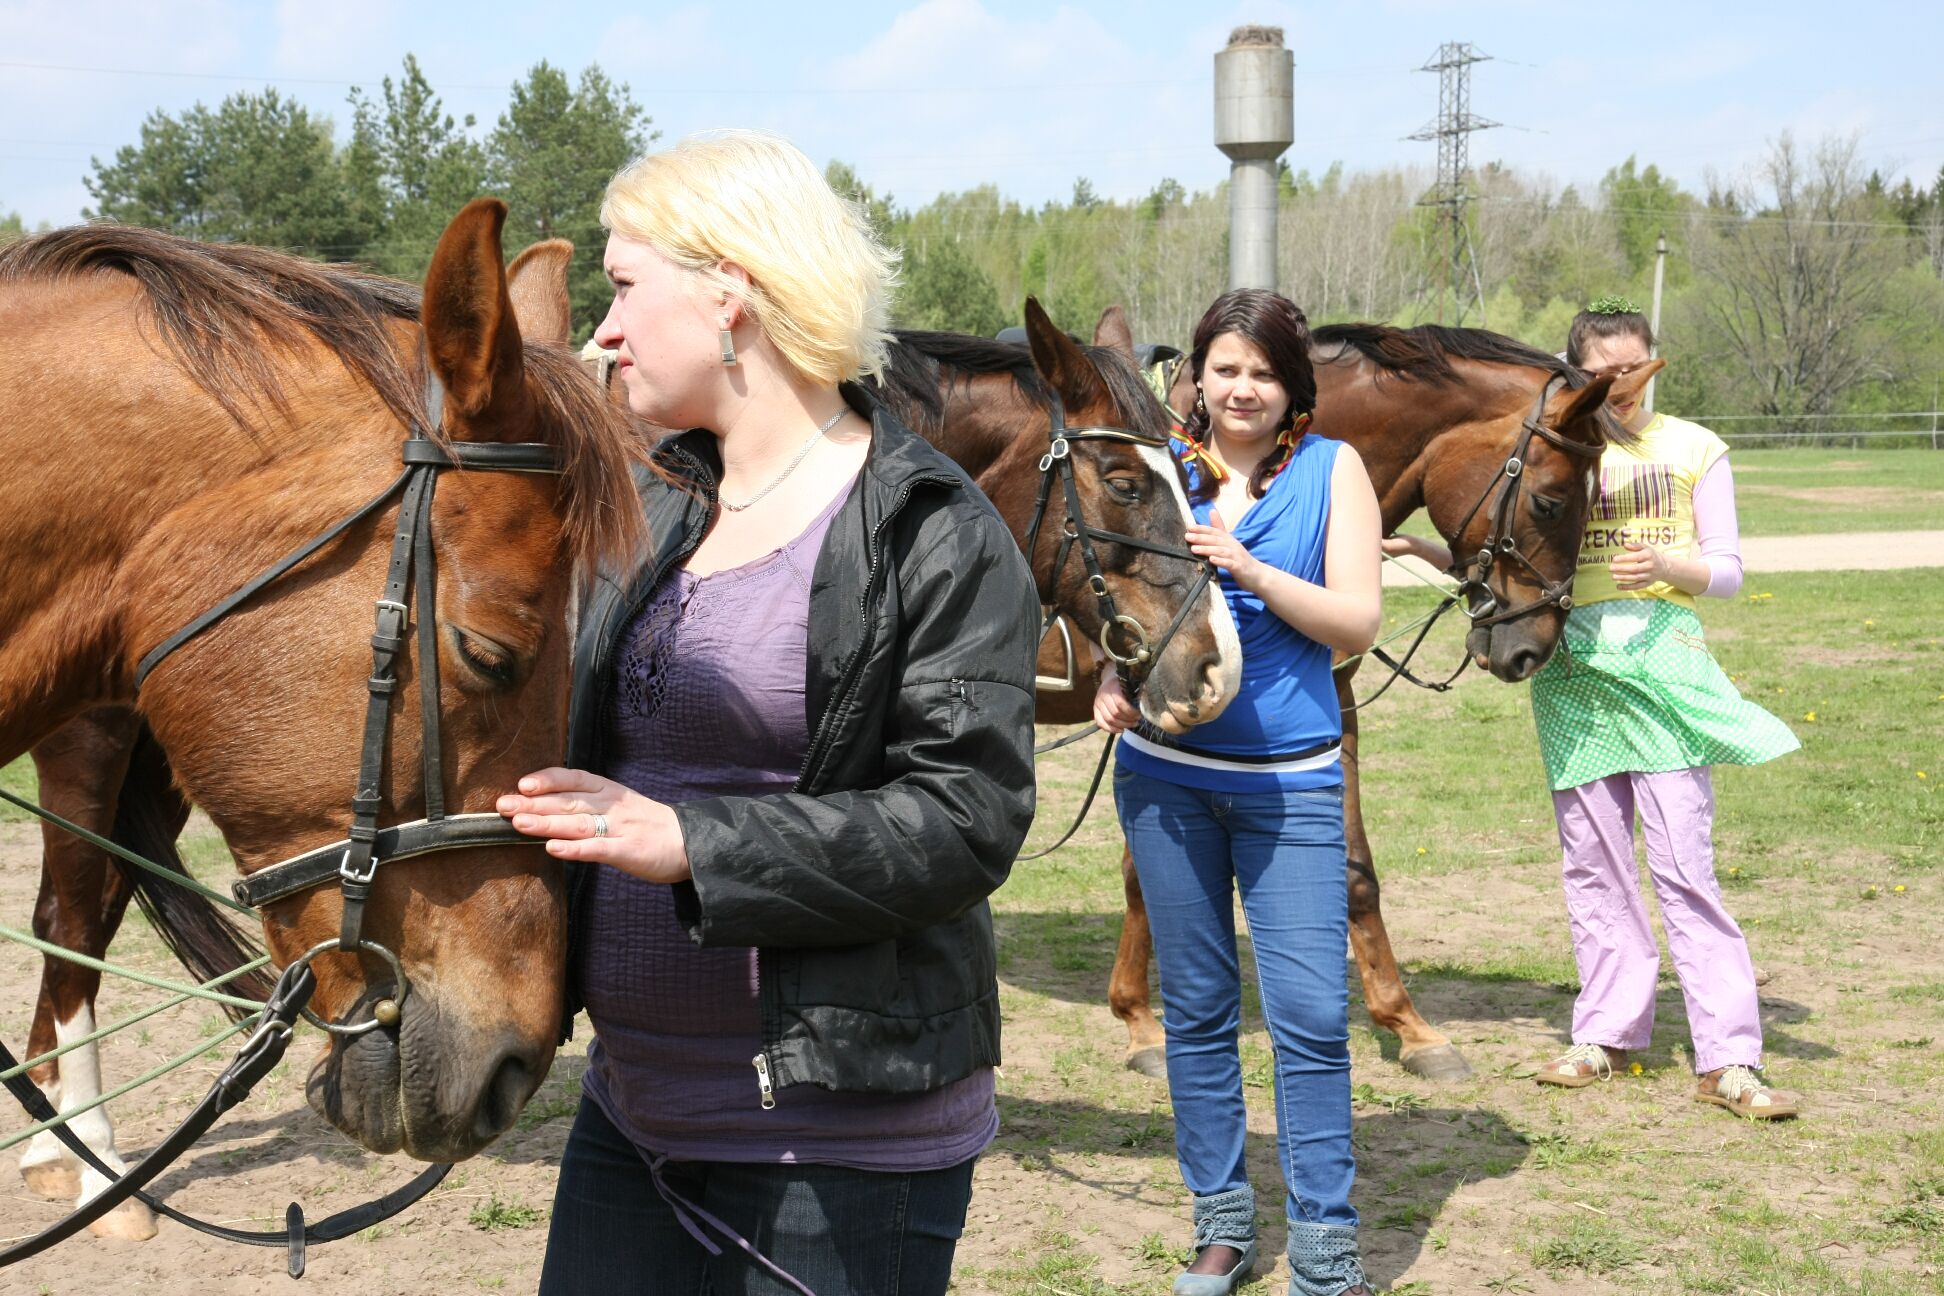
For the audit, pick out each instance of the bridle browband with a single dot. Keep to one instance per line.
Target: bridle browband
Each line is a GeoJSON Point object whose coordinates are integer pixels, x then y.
{"type": "Point", "coordinates": [1474, 574]}
{"type": "Point", "coordinates": [354, 859]}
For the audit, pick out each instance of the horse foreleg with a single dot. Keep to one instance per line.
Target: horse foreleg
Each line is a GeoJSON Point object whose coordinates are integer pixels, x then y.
{"type": "Point", "coordinates": [1424, 1050]}
{"type": "Point", "coordinates": [82, 898]}
{"type": "Point", "coordinates": [1127, 991]}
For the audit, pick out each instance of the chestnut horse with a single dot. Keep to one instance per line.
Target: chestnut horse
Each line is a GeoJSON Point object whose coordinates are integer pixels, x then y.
{"type": "Point", "coordinates": [1434, 413]}
{"type": "Point", "coordinates": [989, 405]}
{"type": "Point", "coordinates": [180, 414]}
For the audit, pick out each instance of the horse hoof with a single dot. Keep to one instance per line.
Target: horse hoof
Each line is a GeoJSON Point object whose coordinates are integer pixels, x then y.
{"type": "Point", "coordinates": [1441, 1062]}
{"type": "Point", "coordinates": [1151, 1062]}
{"type": "Point", "coordinates": [129, 1222]}
{"type": "Point", "coordinates": [52, 1180]}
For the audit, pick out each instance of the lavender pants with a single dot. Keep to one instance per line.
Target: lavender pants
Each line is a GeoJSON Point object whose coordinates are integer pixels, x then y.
{"type": "Point", "coordinates": [1619, 963]}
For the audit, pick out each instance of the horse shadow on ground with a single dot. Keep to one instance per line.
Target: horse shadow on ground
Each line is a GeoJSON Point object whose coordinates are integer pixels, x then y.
{"type": "Point", "coordinates": [1409, 1163]}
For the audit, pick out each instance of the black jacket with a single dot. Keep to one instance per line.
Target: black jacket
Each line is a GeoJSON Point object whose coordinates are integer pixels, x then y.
{"type": "Point", "coordinates": [864, 888]}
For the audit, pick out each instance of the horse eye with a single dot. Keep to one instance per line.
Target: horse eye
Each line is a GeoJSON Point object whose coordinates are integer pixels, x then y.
{"type": "Point", "coordinates": [491, 662]}
{"type": "Point", "coordinates": [1126, 488]}
{"type": "Point", "coordinates": [1545, 508]}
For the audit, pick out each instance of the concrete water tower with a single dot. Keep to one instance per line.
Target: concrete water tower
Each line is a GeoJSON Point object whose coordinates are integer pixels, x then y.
{"type": "Point", "coordinates": [1255, 120]}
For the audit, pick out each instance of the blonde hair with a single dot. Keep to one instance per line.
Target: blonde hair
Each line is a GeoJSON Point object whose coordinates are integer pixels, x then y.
{"type": "Point", "coordinates": [819, 281]}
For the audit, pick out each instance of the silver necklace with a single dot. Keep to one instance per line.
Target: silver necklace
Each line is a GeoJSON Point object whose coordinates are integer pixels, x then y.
{"type": "Point", "coordinates": [776, 481]}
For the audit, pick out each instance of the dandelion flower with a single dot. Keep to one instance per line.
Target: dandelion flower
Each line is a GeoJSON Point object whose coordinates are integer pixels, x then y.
{"type": "Point", "coordinates": [1900, 888]}
{"type": "Point", "coordinates": [1423, 851]}
{"type": "Point", "coordinates": [1810, 716]}
{"type": "Point", "coordinates": [1922, 775]}
{"type": "Point", "coordinates": [1868, 623]}
{"type": "Point", "coordinates": [1636, 1069]}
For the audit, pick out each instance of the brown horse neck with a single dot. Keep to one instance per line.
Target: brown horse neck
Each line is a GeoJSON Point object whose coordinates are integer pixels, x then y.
{"type": "Point", "coordinates": [1393, 420]}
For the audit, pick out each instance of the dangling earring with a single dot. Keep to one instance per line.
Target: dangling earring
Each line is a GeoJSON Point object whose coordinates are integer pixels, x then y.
{"type": "Point", "coordinates": [1201, 406]}
{"type": "Point", "coordinates": [728, 341]}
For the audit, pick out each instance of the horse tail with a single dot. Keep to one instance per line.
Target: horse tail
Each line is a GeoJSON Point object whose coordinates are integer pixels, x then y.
{"type": "Point", "coordinates": [148, 815]}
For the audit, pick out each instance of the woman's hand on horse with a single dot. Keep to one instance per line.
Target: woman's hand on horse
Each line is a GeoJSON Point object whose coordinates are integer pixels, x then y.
{"type": "Point", "coordinates": [1218, 544]}
{"type": "Point", "coordinates": [1112, 711]}
{"type": "Point", "coordinates": [642, 836]}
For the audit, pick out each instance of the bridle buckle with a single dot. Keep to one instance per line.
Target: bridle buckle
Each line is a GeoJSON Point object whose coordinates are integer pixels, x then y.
{"type": "Point", "coordinates": [354, 876]}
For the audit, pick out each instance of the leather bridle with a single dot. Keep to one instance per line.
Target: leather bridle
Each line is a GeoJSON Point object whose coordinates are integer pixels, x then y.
{"type": "Point", "coordinates": [1076, 532]}
{"type": "Point", "coordinates": [1473, 574]}
{"type": "Point", "coordinates": [1500, 542]}
{"type": "Point", "coordinates": [354, 859]}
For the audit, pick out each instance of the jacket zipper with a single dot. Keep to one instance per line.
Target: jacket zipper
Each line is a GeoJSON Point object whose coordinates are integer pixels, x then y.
{"type": "Point", "coordinates": [847, 684]}
{"type": "Point", "coordinates": [763, 1089]}
{"type": "Point", "coordinates": [847, 681]}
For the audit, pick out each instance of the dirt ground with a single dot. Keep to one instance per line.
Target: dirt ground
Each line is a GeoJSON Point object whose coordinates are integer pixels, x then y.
{"type": "Point", "coordinates": [1080, 1194]}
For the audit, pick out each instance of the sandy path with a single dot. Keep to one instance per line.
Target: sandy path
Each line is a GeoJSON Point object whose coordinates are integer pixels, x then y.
{"type": "Point", "coordinates": [1845, 551]}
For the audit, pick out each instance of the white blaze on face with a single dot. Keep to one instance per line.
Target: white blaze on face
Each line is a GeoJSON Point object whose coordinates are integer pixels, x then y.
{"type": "Point", "coordinates": [1228, 644]}
{"type": "Point", "coordinates": [78, 1082]}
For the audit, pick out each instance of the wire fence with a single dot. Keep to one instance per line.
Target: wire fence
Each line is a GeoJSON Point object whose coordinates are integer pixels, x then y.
{"type": "Point", "coordinates": [1901, 430]}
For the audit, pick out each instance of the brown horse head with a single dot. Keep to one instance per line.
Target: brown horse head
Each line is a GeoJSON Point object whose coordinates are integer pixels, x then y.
{"type": "Point", "coordinates": [1438, 414]}
{"type": "Point", "coordinates": [277, 406]}
{"type": "Point", "coordinates": [990, 406]}
{"type": "Point", "coordinates": [1540, 514]}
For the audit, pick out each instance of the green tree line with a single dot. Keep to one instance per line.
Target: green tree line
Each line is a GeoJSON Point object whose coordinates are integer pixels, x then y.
{"type": "Point", "coordinates": [1808, 289]}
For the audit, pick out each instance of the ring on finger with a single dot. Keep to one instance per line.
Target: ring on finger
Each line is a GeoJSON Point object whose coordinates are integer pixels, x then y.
{"type": "Point", "coordinates": [600, 825]}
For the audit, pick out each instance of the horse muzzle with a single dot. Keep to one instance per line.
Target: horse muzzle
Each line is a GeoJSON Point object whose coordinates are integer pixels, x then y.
{"type": "Point", "coordinates": [435, 1086]}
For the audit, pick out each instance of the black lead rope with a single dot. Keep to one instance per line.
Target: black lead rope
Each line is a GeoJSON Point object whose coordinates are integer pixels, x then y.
{"type": "Point", "coordinates": [259, 1055]}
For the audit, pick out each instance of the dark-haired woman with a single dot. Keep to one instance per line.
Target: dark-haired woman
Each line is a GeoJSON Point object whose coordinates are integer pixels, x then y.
{"type": "Point", "coordinates": [1254, 799]}
{"type": "Point", "coordinates": [1631, 713]}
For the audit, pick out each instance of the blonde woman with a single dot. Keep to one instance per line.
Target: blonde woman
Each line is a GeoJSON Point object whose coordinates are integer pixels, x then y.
{"type": "Point", "coordinates": [801, 734]}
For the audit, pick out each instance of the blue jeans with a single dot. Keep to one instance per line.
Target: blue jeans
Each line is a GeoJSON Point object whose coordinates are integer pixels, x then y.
{"type": "Point", "coordinates": [1286, 851]}
{"type": "Point", "coordinates": [836, 1230]}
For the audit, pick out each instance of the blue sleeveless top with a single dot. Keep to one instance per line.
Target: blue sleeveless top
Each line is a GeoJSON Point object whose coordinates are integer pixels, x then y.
{"type": "Point", "coordinates": [1283, 730]}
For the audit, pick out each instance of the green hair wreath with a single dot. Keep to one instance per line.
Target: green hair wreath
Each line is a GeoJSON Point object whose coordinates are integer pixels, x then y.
{"type": "Point", "coordinates": [1611, 304]}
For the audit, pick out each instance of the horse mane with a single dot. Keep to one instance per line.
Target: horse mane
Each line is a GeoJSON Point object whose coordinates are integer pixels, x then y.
{"type": "Point", "coordinates": [228, 312]}
{"type": "Point", "coordinates": [1424, 352]}
{"type": "Point", "coordinates": [922, 367]}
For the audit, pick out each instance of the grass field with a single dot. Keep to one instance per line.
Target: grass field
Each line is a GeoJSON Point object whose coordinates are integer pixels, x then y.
{"type": "Point", "coordinates": [1830, 860]}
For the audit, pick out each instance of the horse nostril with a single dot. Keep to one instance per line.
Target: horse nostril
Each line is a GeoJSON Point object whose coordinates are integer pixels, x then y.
{"type": "Point", "coordinates": [500, 1105]}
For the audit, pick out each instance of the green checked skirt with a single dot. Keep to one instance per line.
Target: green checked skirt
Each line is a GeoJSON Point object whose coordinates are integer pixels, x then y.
{"type": "Point", "coordinates": [1633, 688]}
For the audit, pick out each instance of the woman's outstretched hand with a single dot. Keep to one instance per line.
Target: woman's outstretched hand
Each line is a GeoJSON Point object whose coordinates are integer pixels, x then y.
{"type": "Point", "coordinates": [642, 837]}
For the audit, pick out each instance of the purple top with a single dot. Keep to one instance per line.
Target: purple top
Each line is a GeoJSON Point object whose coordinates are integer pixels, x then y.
{"type": "Point", "coordinates": [709, 701]}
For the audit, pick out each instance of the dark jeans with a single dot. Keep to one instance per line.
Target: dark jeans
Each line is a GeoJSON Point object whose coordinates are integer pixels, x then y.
{"type": "Point", "coordinates": [835, 1230]}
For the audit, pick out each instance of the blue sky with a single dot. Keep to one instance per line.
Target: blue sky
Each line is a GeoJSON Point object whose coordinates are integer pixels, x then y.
{"type": "Point", "coordinates": [936, 95]}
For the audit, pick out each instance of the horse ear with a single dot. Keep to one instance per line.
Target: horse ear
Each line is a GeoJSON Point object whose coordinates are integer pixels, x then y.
{"type": "Point", "coordinates": [1572, 413]}
{"type": "Point", "coordinates": [1628, 386]}
{"type": "Point", "coordinates": [471, 334]}
{"type": "Point", "coordinates": [1112, 331]}
{"type": "Point", "coordinates": [537, 283]}
{"type": "Point", "coordinates": [1060, 361]}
